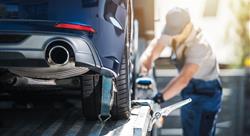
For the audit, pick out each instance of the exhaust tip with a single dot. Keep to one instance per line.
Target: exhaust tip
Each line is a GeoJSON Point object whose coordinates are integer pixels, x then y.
{"type": "Point", "coordinates": [58, 55]}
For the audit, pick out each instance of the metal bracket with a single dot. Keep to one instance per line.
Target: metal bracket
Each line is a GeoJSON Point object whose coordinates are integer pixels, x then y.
{"type": "Point", "coordinates": [165, 111]}
{"type": "Point", "coordinates": [107, 85]}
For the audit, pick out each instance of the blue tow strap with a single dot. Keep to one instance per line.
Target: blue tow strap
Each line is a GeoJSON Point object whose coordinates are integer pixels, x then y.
{"type": "Point", "coordinates": [107, 84]}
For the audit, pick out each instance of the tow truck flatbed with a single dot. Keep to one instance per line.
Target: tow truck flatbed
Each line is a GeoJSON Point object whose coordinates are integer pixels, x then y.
{"type": "Point", "coordinates": [67, 121]}
{"type": "Point", "coordinates": [58, 115]}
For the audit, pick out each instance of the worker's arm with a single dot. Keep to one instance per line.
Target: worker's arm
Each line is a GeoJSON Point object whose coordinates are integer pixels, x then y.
{"type": "Point", "coordinates": [177, 84]}
{"type": "Point", "coordinates": [152, 52]}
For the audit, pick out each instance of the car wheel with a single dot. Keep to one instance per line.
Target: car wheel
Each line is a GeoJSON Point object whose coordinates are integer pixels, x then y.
{"type": "Point", "coordinates": [122, 98]}
{"type": "Point", "coordinates": [91, 94]}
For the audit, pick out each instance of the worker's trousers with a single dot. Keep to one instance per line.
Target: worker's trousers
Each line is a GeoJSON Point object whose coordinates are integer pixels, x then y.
{"type": "Point", "coordinates": [199, 117]}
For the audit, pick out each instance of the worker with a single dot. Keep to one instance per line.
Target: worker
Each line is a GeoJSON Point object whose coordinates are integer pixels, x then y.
{"type": "Point", "coordinates": [198, 72]}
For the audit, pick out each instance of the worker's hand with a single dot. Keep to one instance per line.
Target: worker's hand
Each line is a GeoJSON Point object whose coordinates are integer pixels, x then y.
{"type": "Point", "coordinates": [158, 98]}
{"type": "Point", "coordinates": [151, 53]}
{"type": "Point", "coordinates": [143, 73]}
{"type": "Point", "coordinates": [145, 65]}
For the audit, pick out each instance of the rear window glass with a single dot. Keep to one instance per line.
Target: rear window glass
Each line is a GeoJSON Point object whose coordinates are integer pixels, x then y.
{"type": "Point", "coordinates": [39, 9]}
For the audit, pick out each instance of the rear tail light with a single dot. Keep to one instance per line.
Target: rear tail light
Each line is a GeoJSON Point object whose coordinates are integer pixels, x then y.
{"type": "Point", "coordinates": [76, 27]}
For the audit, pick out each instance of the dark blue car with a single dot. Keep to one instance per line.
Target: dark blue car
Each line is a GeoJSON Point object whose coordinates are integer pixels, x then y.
{"type": "Point", "coordinates": [62, 41]}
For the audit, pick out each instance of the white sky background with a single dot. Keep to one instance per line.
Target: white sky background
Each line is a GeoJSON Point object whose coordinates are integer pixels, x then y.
{"type": "Point", "coordinates": [213, 27]}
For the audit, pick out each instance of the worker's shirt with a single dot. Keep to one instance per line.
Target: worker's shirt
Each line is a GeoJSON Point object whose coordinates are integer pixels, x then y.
{"type": "Point", "coordinates": [196, 50]}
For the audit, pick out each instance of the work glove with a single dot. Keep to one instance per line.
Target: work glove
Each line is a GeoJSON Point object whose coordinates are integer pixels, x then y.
{"type": "Point", "coordinates": [158, 98]}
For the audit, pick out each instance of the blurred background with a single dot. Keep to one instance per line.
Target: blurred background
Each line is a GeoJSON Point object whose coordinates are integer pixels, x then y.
{"type": "Point", "coordinates": [226, 25]}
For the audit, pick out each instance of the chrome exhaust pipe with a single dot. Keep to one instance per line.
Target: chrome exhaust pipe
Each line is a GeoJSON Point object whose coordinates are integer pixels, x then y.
{"type": "Point", "coordinates": [58, 55]}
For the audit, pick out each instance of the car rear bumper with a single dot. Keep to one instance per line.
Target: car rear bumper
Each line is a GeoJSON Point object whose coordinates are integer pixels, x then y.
{"type": "Point", "coordinates": [31, 53]}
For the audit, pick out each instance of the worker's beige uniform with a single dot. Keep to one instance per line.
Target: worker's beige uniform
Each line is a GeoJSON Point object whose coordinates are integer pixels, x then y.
{"type": "Point", "coordinates": [199, 117]}
{"type": "Point", "coordinates": [196, 50]}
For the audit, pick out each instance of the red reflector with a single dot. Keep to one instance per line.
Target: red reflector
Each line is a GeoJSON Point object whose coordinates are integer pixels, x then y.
{"type": "Point", "coordinates": [76, 27]}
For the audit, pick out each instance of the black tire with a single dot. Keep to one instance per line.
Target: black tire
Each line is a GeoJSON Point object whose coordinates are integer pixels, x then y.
{"type": "Point", "coordinates": [91, 94]}
{"type": "Point", "coordinates": [122, 98]}
{"type": "Point", "coordinates": [92, 85]}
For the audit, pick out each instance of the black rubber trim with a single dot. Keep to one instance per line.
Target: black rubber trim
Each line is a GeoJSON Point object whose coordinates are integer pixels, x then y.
{"type": "Point", "coordinates": [91, 67]}
{"type": "Point", "coordinates": [11, 55]}
{"type": "Point", "coordinates": [12, 38]}
{"type": "Point", "coordinates": [23, 63]}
